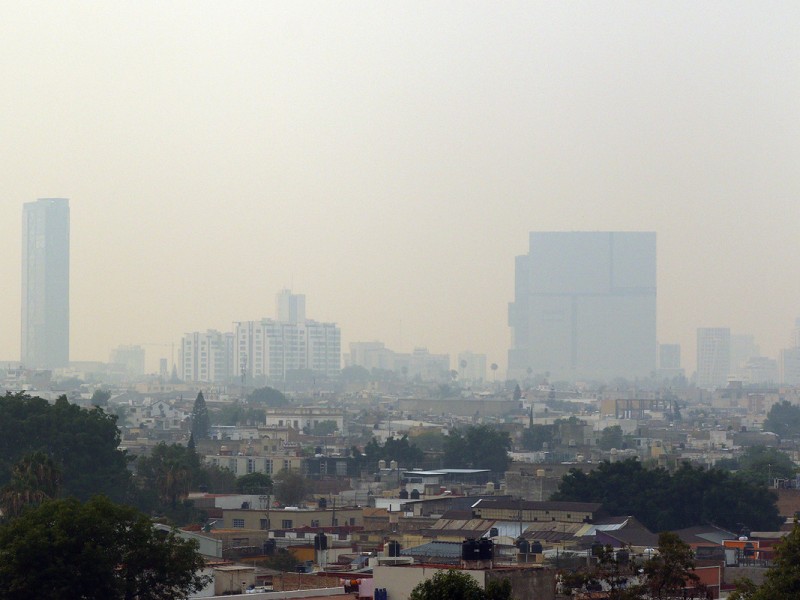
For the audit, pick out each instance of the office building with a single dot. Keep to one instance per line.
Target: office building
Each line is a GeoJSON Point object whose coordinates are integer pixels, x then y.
{"type": "Point", "coordinates": [585, 306]}
{"type": "Point", "coordinates": [45, 284]}
{"type": "Point", "coordinates": [290, 308]}
{"type": "Point", "coordinates": [713, 356]}
{"type": "Point", "coordinates": [669, 361]}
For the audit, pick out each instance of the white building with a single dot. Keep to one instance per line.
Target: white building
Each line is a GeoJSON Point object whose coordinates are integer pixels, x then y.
{"type": "Point", "coordinates": [713, 356]}
{"type": "Point", "coordinates": [207, 357]}
{"type": "Point", "coordinates": [269, 349]}
{"type": "Point", "coordinates": [790, 366]}
{"type": "Point", "coordinates": [471, 366]}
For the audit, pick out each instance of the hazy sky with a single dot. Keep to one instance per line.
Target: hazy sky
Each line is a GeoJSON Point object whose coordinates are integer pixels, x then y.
{"type": "Point", "coordinates": [389, 159]}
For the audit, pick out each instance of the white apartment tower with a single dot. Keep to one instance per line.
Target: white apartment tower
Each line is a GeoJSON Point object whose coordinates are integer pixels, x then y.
{"type": "Point", "coordinates": [207, 357]}
{"type": "Point", "coordinates": [713, 356]}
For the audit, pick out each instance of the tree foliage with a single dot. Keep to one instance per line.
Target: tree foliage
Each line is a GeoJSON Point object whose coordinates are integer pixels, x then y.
{"type": "Point", "coordinates": [82, 443]}
{"type": "Point", "coordinates": [405, 452]}
{"type": "Point", "coordinates": [268, 396]}
{"type": "Point", "coordinates": [290, 488]}
{"type": "Point", "coordinates": [34, 479]}
{"type": "Point", "coordinates": [478, 447]}
{"type": "Point", "coordinates": [452, 585]}
{"type": "Point", "coordinates": [201, 424]}
{"type": "Point", "coordinates": [611, 437]}
{"type": "Point", "coordinates": [783, 419]}
{"type": "Point", "coordinates": [758, 464]}
{"type": "Point", "coordinates": [100, 398]}
{"type": "Point", "coordinates": [253, 483]}
{"type": "Point", "coordinates": [535, 437]}
{"type": "Point", "coordinates": [671, 569]}
{"type": "Point", "coordinates": [663, 501]}
{"type": "Point", "coordinates": [64, 549]}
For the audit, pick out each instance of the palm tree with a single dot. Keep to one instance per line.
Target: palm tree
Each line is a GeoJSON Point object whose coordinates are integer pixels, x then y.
{"type": "Point", "coordinates": [34, 479]}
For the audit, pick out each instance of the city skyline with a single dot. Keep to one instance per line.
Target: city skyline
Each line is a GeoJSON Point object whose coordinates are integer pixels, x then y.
{"type": "Point", "coordinates": [390, 162]}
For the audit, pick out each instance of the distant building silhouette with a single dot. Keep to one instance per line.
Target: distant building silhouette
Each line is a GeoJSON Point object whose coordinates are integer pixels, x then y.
{"type": "Point", "coordinates": [45, 283]}
{"type": "Point", "coordinates": [713, 356]}
{"type": "Point", "coordinates": [585, 306]}
{"type": "Point", "coordinates": [669, 361]}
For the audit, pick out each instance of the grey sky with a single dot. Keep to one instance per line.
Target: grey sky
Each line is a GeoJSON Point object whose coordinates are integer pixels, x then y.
{"type": "Point", "coordinates": [389, 159]}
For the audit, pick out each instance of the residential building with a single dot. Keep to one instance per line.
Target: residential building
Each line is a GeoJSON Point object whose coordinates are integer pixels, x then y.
{"type": "Point", "coordinates": [585, 306]}
{"type": "Point", "coordinates": [371, 355]}
{"type": "Point", "coordinates": [291, 308]}
{"type": "Point", "coordinates": [790, 366]}
{"type": "Point", "coordinates": [669, 361]}
{"type": "Point", "coordinates": [713, 356]}
{"type": "Point", "coordinates": [207, 357]}
{"type": "Point", "coordinates": [45, 283]}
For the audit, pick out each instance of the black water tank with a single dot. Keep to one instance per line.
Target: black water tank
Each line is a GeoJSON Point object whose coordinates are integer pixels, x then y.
{"type": "Point", "coordinates": [596, 549]}
{"type": "Point", "coordinates": [485, 549]}
{"type": "Point", "coordinates": [524, 546]}
{"type": "Point", "coordinates": [322, 503]}
{"type": "Point", "coordinates": [403, 494]}
{"type": "Point", "coordinates": [470, 550]}
{"type": "Point", "coordinates": [494, 532]}
{"type": "Point", "coordinates": [269, 547]}
{"type": "Point", "coordinates": [415, 494]}
{"type": "Point", "coordinates": [536, 548]}
{"type": "Point", "coordinates": [320, 541]}
{"type": "Point", "coordinates": [394, 548]}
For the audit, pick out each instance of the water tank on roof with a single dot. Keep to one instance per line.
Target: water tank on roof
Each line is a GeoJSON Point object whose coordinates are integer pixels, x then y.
{"type": "Point", "coordinates": [494, 532]}
{"type": "Point", "coordinates": [322, 503]}
{"type": "Point", "coordinates": [490, 486]}
{"type": "Point", "coordinates": [415, 494]}
{"type": "Point", "coordinates": [393, 548]}
{"type": "Point", "coordinates": [485, 549]}
{"type": "Point", "coordinates": [381, 464]}
{"type": "Point", "coordinates": [393, 465]}
{"type": "Point", "coordinates": [540, 472]}
{"type": "Point", "coordinates": [523, 546]}
{"type": "Point", "coordinates": [403, 494]}
{"type": "Point", "coordinates": [320, 541]}
{"type": "Point", "coordinates": [470, 550]}
{"type": "Point", "coordinates": [536, 548]}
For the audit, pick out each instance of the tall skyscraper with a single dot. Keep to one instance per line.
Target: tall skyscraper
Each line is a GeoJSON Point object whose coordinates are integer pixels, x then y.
{"type": "Point", "coordinates": [713, 356]}
{"type": "Point", "coordinates": [585, 306]}
{"type": "Point", "coordinates": [290, 308]}
{"type": "Point", "coordinates": [45, 283]}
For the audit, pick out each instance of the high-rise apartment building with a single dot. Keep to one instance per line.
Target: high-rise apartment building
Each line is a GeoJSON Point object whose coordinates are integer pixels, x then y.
{"type": "Point", "coordinates": [585, 306]}
{"type": "Point", "coordinates": [713, 356]}
{"type": "Point", "coordinates": [45, 283]}
{"type": "Point", "coordinates": [290, 308]}
{"type": "Point", "coordinates": [207, 357]}
{"type": "Point", "coordinates": [130, 358]}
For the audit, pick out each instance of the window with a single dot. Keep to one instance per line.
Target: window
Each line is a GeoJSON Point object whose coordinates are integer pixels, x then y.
{"type": "Point", "coordinates": [286, 524]}
{"type": "Point", "coordinates": [264, 524]}
{"type": "Point", "coordinates": [315, 522]}
{"type": "Point", "coordinates": [238, 523]}
{"type": "Point", "coordinates": [352, 521]}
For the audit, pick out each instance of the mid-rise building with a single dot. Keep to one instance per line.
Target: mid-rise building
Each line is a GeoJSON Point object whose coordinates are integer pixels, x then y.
{"type": "Point", "coordinates": [290, 308]}
{"type": "Point", "coordinates": [45, 283]}
{"type": "Point", "coordinates": [713, 356]}
{"type": "Point", "coordinates": [585, 306]}
{"type": "Point", "coordinates": [790, 366]}
{"type": "Point", "coordinates": [471, 366]}
{"type": "Point", "coordinates": [130, 358]}
{"type": "Point", "coordinates": [207, 357]}
{"type": "Point", "coordinates": [669, 361]}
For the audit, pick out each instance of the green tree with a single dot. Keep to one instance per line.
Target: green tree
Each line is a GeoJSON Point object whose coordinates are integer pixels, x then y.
{"type": "Point", "coordinates": [64, 549]}
{"type": "Point", "coordinates": [663, 501]}
{"type": "Point", "coordinates": [100, 398]}
{"type": "Point", "coordinates": [327, 427]}
{"type": "Point", "coordinates": [535, 437]}
{"type": "Point", "coordinates": [758, 464]}
{"type": "Point", "coordinates": [783, 419]}
{"type": "Point", "coordinates": [34, 479]}
{"type": "Point", "coordinates": [253, 483]}
{"type": "Point", "coordinates": [448, 585]}
{"type": "Point", "coordinates": [268, 396]}
{"type": "Point", "coordinates": [671, 569]}
{"type": "Point", "coordinates": [201, 425]}
{"type": "Point", "coordinates": [478, 447]}
{"type": "Point", "coordinates": [407, 454]}
{"type": "Point", "coordinates": [611, 437]}
{"type": "Point", "coordinates": [83, 444]}
{"type": "Point", "coordinates": [782, 579]}
{"type": "Point", "coordinates": [290, 488]}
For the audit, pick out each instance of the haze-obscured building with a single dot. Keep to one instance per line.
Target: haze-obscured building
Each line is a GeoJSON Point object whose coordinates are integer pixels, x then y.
{"type": "Point", "coordinates": [713, 356]}
{"type": "Point", "coordinates": [129, 358]}
{"type": "Point", "coordinates": [585, 306]}
{"type": "Point", "coordinates": [45, 283]}
{"type": "Point", "coordinates": [471, 366]}
{"type": "Point", "coordinates": [207, 357]}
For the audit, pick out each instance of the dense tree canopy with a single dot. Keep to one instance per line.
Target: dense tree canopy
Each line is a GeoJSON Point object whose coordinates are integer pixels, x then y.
{"type": "Point", "coordinates": [268, 396]}
{"type": "Point", "coordinates": [290, 488]}
{"type": "Point", "coordinates": [34, 479]}
{"type": "Point", "coordinates": [783, 419]}
{"type": "Point", "coordinates": [535, 437]}
{"type": "Point", "coordinates": [407, 454]}
{"type": "Point", "coordinates": [611, 437]}
{"type": "Point", "coordinates": [253, 483]}
{"type": "Point", "coordinates": [83, 444]}
{"type": "Point", "coordinates": [663, 501]}
{"type": "Point", "coordinates": [759, 464]}
{"type": "Point", "coordinates": [64, 550]}
{"type": "Point", "coordinates": [452, 585]}
{"type": "Point", "coordinates": [478, 447]}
